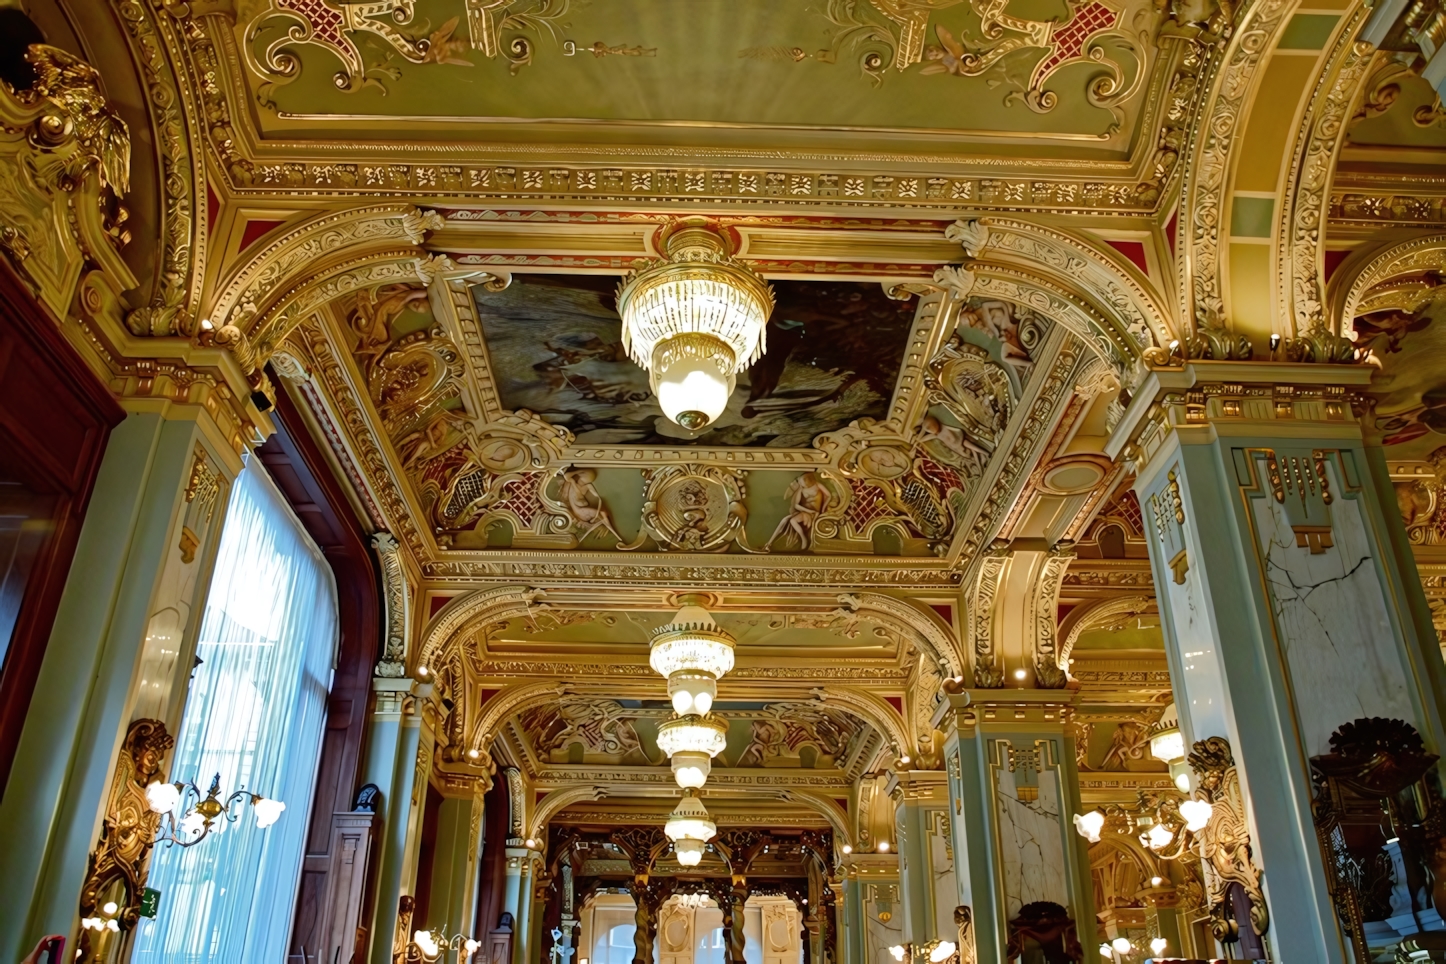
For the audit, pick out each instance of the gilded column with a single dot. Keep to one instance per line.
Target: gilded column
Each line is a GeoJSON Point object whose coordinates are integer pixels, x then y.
{"type": "Point", "coordinates": [1289, 599]}
{"type": "Point", "coordinates": [119, 656]}
{"type": "Point", "coordinates": [1020, 867]}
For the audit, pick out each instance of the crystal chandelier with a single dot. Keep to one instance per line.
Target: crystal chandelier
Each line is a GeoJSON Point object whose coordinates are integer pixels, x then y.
{"type": "Point", "coordinates": [694, 320]}
{"type": "Point", "coordinates": [690, 829]}
{"type": "Point", "coordinates": [691, 742]}
{"type": "Point", "coordinates": [692, 651]}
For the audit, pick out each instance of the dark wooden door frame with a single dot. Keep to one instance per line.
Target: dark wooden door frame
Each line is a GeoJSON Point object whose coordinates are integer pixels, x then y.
{"type": "Point", "coordinates": [55, 417]}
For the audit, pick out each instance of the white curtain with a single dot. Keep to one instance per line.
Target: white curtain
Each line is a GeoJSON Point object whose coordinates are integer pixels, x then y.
{"type": "Point", "coordinates": [254, 714]}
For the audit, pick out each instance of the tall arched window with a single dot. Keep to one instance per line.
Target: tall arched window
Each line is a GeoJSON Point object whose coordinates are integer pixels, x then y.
{"type": "Point", "coordinates": [254, 714]}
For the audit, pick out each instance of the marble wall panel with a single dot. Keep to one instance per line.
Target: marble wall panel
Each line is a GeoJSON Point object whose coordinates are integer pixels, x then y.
{"type": "Point", "coordinates": [1331, 620]}
{"type": "Point", "coordinates": [1031, 845]}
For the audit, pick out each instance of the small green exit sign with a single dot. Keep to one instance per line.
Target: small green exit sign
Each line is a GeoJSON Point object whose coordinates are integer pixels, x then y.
{"type": "Point", "coordinates": [150, 900]}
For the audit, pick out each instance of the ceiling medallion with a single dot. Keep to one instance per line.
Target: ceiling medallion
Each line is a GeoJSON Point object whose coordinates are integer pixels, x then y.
{"type": "Point", "coordinates": [693, 321]}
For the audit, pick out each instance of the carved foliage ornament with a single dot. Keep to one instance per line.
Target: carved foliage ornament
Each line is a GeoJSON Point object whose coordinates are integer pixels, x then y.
{"type": "Point", "coordinates": [64, 168]}
{"type": "Point", "coordinates": [395, 599]}
{"type": "Point", "coordinates": [895, 34]}
{"type": "Point", "coordinates": [273, 36]}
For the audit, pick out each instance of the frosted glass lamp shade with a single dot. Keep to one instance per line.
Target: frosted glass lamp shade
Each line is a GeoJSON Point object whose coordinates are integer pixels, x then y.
{"type": "Point", "coordinates": [691, 769]}
{"type": "Point", "coordinates": [162, 797]}
{"type": "Point", "coordinates": [1089, 825]}
{"type": "Point", "coordinates": [1196, 813]}
{"type": "Point", "coordinates": [1168, 745]}
{"type": "Point", "coordinates": [688, 851]}
{"type": "Point", "coordinates": [692, 692]}
{"type": "Point", "coordinates": [693, 388]}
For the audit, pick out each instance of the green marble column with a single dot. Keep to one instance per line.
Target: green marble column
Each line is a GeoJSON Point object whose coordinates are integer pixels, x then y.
{"type": "Point", "coordinates": [1287, 592]}
{"type": "Point", "coordinates": [922, 836]}
{"type": "Point", "coordinates": [453, 900]}
{"type": "Point", "coordinates": [119, 650]}
{"type": "Point", "coordinates": [1013, 791]}
{"type": "Point", "coordinates": [873, 908]}
{"type": "Point", "coordinates": [393, 741]}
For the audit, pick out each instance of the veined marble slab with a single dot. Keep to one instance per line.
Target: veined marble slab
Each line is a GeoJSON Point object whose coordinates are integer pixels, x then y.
{"type": "Point", "coordinates": [1031, 844]}
{"type": "Point", "coordinates": [1331, 619]}
{"type": "Point", "coordinates": [945, 885]}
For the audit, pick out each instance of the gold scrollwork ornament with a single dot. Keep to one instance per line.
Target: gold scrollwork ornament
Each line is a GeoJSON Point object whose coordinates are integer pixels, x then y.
{"type": "Point", "coordinates": [115, 871]}
{"type": "Point", "coordinates": [1224, 842]}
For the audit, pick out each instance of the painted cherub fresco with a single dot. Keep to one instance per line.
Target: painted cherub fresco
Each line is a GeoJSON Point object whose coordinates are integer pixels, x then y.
{"type": "Point", "coordinates": [808, 498]}
{"type": "Point", "coordinates": [579, 495]}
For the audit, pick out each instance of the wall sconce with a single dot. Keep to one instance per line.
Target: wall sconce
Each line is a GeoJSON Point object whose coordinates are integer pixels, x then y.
{"type": "Point", "coordinates": [934, 952]}
{"type": "Point", "coordinates": [434, 945]}
{"type": "Point", "coordinates": [1163, 825]}
{"type": "Point", "coordinates": [199, 814]}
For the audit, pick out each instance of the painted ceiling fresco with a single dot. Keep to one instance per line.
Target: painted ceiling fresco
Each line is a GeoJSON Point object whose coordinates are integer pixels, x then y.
{"type": "Point", "coordinates": [600, 731]}
{"type": "Point", "coordinates": [555, 346]}
{"type": "Point", "coordinates": [544, 435]}
{"type": "Point", "coordinates": [1070, 69]}
{"type": "Point", "coordinates": [1411, 390]}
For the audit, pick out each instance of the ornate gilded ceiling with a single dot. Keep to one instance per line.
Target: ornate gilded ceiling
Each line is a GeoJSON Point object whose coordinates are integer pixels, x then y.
{"type": "Point", "coordinates": [984, 223]}
{"type": "Point", "coordinates": [868, 429]}
{"type": "Point", "coordinates": [725, 74]}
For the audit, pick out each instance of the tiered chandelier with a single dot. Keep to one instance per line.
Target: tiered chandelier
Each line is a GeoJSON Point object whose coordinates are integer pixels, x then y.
{"type": "Point", "coordinates": [692, 651]}
{"type": "Point", "coordinates": [694, 320]}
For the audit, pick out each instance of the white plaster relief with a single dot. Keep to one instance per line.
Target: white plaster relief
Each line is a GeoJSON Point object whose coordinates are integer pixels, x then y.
{"type": "Point", "coordinates": [1030, 843]}
{"type": "Point", "coordinates": [1331, 618]}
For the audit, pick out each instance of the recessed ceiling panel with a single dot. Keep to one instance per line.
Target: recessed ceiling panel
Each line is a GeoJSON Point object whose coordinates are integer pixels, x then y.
{"type": "Point", "coordinates": [554, 344]}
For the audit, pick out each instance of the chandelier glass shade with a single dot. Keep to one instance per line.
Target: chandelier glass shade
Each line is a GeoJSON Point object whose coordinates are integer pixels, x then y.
{"type": "Point", "coordinates": [1168, 745]}
{"type": "Point", "coordinates": [690, 828]}
{"type": "Point", "coordinates": [691, 769]}
{"type": "Point", "coordinates": [693, 734]}
{"type": "Point", "coordinates": [692, 692]}
{"type": "Point", "coordinates": [694, 320]}
{"type": "Point", "coordinates": [692, 642]}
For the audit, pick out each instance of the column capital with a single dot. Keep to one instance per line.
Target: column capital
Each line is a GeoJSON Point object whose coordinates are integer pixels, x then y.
{"type": "Point", "coordinates": [1202, 400]}
{"type": "Point", "coordinates": [395, 698]}
{"type": "Point", "coordinates": [969, 708]}
{"type": "Point", "coordinates": [919, 786]}
{"type": "Point", "coordinates": [866, 867]}
{"type": "Point", "coordinates": [456, 782]}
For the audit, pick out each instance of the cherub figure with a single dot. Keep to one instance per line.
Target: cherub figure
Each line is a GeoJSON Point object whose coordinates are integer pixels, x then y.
{"type": "Point", "coordinates": [808, 498]}
{"type": "Point", "coordinates": [579, 495]}
{"type": "Point", "coordinates": [953, 440]}
{"type": "Point", "coordinates": [996, 320]}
